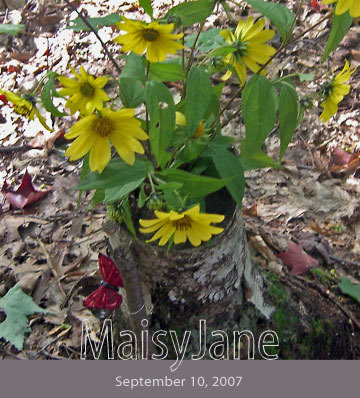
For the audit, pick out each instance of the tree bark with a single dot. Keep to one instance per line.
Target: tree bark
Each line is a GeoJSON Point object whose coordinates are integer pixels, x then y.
{"type": "Point", "coordinates": [214, 282]}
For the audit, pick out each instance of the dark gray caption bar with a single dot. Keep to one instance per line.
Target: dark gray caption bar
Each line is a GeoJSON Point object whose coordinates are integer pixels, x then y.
{"type": "Point", "coordinates": [97, 379]}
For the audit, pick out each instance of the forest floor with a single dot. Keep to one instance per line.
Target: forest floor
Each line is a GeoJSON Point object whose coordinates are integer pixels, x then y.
{"type": "Point", "coordinates": [50, 248]}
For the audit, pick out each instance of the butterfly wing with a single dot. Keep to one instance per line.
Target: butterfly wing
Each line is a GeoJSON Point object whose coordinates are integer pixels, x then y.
{"type": "Point", "coordinates": [109, 272]}
{"type": "Point", "coordinates": [103, 298]}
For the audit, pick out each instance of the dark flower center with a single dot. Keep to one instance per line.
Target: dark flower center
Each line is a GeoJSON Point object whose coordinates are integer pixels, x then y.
{"type": "Point", "coordinates": [103, 126]}
{"type": "Point", "coordinates": [183, 224]}
{"type": "Point", "coordinates": [87, 90]}
{"type": "Point", "coordinates": [150, 34]}
{"type": "Point", "coordinates": [326, 89]}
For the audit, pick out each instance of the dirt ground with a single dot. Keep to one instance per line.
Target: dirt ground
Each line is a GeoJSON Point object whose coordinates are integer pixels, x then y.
{"type": "Point", "coordinates": [50, 248]}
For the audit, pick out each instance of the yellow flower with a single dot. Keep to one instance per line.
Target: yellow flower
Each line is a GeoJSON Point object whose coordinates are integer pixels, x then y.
{"type": "Point", "coordinates": [156, 39]}
{"type": "Point", "coordinates": [86, 92]}
{"type": "Point", "coordinates": [189, 224]}
{"type": "Point", "coordinates": [251, 51]}
{"type": "Point", "coordinates": [344, 5]}
{"type": "Point", "coordinates": [93, 133]}
{"type": "Point", "coordinates": [334, 92]}
{"type": "Point", "coordinates": [180, 120]}
{"type": "Point", "coordinates": [24, 107]}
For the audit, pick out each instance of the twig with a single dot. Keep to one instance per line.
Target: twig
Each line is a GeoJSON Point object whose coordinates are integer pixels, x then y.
{"type": "Point", "coordinates": [341, 260]}
{"type": "Point", "coordinates": [326, 293]}
{"type": "Point", "coordinates": [116, 65]}
{"type": "Point", "coordinates": [17, 148]}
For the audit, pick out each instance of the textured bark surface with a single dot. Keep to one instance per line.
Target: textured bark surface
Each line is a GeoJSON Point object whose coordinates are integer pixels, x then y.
{"type": "Point", "coordinates": [215, 281]}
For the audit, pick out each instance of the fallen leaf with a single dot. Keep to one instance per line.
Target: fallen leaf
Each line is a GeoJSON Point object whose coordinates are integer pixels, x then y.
{"type": "Point", "coordinates": [25, 194]}
{"type": "Point", "coordinates": [17, 306]}
{"type": "Point", "coordinates": [348, 288]}
{"type": "Point", "coordinates": [297, 259]}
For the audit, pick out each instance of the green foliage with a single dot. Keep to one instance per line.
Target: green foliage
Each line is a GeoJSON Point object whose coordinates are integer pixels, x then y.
{"type": "Point", "coordinates": [278, 14]}
{"type": "Point", "coordinates": [207, 41]}
{"type": "Point", "coordinates": [198, 94]}
{"type": "Point", "coordinates": [340, 26]}
{"type": "Point", "coordinates": [289, 108]}
{"type": "Point", "coordinates": [192, 11]}
{"type": "Point", "coordinates": [162, 119]}
{"type": "Point", "coordinates": [131, 92]}
{"type": "Point", "coordinates": [116, 174]}
{"type": "Point", "coordinates": [134, 68]}
{"type": "Point", "coordinates": [18, 306]}
{"type": "Point", "coordinates": [229, 167]}
{"type": "Point", "coordinates": [348, 288]}
{"type": "Point", "coordinates": [146, 5]}
{"type": "Point", "coordinates": [257, 160]}
{"type": "Point", "coordinates": [259, 107]}
{"type": "Point", "coordinates": [186, 156]}
{"type": "Point", "coordinates": [11, 29]}
{"type": "Point", "coordinates": [47, 93]}
{"type": "Point", "coordinates": [78, 24]}
{"type": "Point", "coordinates": [166, 71]}
{"type": "Point", "coordinates": [193, 185]}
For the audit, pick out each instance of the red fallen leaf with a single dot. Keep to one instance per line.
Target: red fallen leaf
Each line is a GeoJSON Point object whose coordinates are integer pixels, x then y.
{"type": "Point", "coordinates": [316, 5]}
{"type": "Point", "coordinates": [3, 99]}
{"type": "Point", "coordinates": [106, 296]}
{"type": "Point", "coordinates": [339, 157]}
{"type": "Point", "coordinates": [344, 162]}
{"type": "Point", "coordinates": [24, 195]}
{"type": "Point", "coordinates": [297, 259]}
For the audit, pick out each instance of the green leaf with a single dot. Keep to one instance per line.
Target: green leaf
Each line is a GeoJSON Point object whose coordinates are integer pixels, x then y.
{"type": "Point", "coordinates": [47, 93]}
{"type": "Point", "coordinates": [207, 40]}
{"type": "Point", "coordinates": [166, 71]}
{"type": "Point", "coordinates": [259, 107]}
{"type": "Point", "coordinates": [198, 93]}
{"type": "Point", "coordinates": [17, 306]}
{"type": "Point", "coordinates": [193, 185]}
{"type": "Point", "coordinates": [348, 288]}
{"type": "Point", "coordinates": [192, 11]}
{"type": "Point", "coordinates": [131, 92]}
{"type": "Point", "coordinates": [340, 26]}
{"type": "Point", "coordinates": [278, 14]}
{"type": "Point", "coordinates": [98, 197]}
{"type": "Point", "coordinates": [127, 217]}
{"type": "Point", "coordinates": [134, 68]}
{"type": "Point", "coordinates": [306, 77]}
{"type": "Point", "coordinates": [289, 108]}
{"type": "Point", "coordinates": [115, 194]}
{"type": "Point", "coordinates": [117, 173]}
{"type": "Point", "coordinates": [78, 24]}
{"type": "Point", "coordinates": [170, 186]}
{"type": "Point", "coordinates": [146, 5]}
{"type": "Point", "coordinates": [161, 108]}
{"type": "Point", "coordinates": [229, 167]}
{"type": "Point", "coordinates": [258, 160]}
{"type": "Point", "coordinates": [11, 29]}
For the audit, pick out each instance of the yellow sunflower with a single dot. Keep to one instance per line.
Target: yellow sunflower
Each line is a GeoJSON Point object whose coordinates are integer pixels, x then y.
{"type": "Point", "coordinates": [156, 39]}
{"type": "Point", "coordinates": [344, 5]}
{"type": "Point", "coordinates": [251, 52]}
{"type": "Point", "coordinates": [24, 107]}
{"type": "Point", "coordinates": [190, 224]}
{"type": "Point", "coordinates": [93, 133]}
{"type": "Point", "coordinates": [180, 120]}
{"type": "Point", "coordinates": [334, 92]}
{"type": "Point", "coordinates": [86, 92]}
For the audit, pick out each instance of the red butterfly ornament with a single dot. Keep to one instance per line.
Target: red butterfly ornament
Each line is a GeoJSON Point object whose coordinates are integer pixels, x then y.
{"type": "Point", "coordinates": [106, 296]}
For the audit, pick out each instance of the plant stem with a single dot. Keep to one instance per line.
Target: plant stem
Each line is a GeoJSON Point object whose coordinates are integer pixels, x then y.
{"type": "Point", "coordinates": [191, 57]}
{"type": "Point", "coordinates": [147, 144]}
